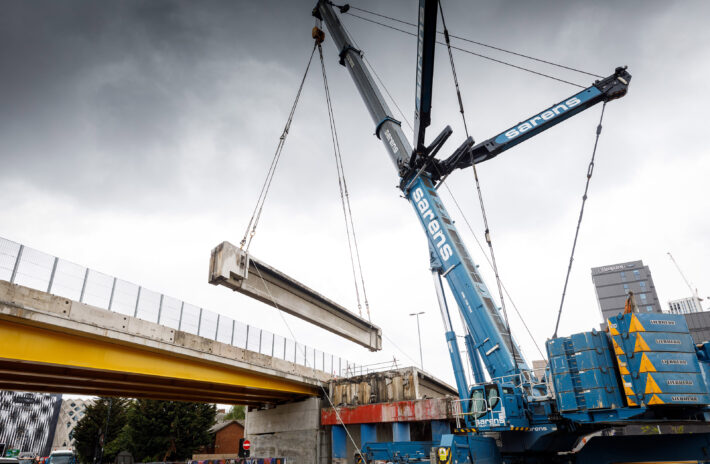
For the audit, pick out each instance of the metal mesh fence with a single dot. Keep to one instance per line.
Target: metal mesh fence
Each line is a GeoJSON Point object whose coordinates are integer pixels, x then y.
{"type": "Point", "coordinates": [34, 269]}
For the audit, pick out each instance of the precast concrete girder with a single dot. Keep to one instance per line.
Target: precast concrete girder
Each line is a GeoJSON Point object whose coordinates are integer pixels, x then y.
{"type": "Point", "coordinates": [234, 268]}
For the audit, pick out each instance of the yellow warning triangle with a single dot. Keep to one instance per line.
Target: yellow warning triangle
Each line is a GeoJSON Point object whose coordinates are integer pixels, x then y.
{"type": "Point", "coordinates": [641, 344]}
{"type": "Point", "coordinates": [630, 401]}
{"type": "Point", "coordinates": [655, 400]}
{"type": "Point", "coordinates": [617, 348]}
{"type": "Point", "coordinates": [652, 386]}
{"type": "Point", "coordinates": [629, 391]}
{"type": "Point", "coordinates": [646, 365]}
{"type": "Point", "coordinates": [635, 325]}
{"type": "Point", "coordinates": [612, 328]}
{"type": "Point", "coordinates": [623, 369]}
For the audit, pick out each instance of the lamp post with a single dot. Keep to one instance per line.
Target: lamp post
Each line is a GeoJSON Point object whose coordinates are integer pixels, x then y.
{"type": "Point", "coordinates": [421, 358]}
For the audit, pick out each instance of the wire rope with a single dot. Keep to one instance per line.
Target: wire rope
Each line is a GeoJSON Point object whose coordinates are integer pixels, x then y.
{"type": "Point", "coordinates": [513, 351]}
{"type": "Point", "coordinates": [258, 208]}
{"type": "Point", "coordinates": [493, 47]}
{"type": "Point", "coordinates": [486, 57]}
{"type": "Point", "coordinates": [345, 197]}
{"type": "Point", "coordinates": [590, 171]}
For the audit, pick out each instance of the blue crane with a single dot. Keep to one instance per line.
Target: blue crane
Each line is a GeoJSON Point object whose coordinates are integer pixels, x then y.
{"type": "Point", "coordinates": [590, 384]}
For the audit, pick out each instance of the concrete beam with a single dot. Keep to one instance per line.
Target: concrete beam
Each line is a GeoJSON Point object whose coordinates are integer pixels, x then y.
{"type": "Point", "coordinates": [233, 268]}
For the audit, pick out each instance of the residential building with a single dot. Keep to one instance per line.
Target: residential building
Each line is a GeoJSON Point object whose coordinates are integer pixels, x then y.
{"type": "Point", "coordinates": [685, 306]}
{"type": "Point", "coordinates": [227, 435]}
{"type": "Point", "coordinates": [613, 283]}
{"type": "Point", "coordinates": [27, 421]}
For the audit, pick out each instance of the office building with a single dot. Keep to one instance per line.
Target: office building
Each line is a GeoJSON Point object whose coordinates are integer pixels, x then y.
{"type": "Point", "coordinates": [613, 283]}
{"type": "Point", "coordinates": [684, 306]}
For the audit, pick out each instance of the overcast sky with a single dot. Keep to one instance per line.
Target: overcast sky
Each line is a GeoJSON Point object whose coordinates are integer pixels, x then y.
{"type": "Point", "coordinates": [134, 137]}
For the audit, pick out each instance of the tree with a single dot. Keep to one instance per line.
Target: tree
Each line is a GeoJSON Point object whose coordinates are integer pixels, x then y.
{"type": "Point", "coordinates": [235, 412]}
{"type": "Point", "coordinates": [101, 426]}
{"type": "Point", "coordinates": [168, 430]}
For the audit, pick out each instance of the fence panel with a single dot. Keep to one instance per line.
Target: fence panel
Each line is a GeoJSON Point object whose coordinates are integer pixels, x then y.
{"type": "Point", "coordinates": [97, 289]}
{"type": "Point", "coordinates": [240, 335]}
{"type": "Point", "coordinates": [8, 258]}
{"type": "Point", "coordinates": [148, 307]}
{"type": "Point", "coordinates": [279, 347]}
{"type": "Point", "coordinates": [224, 330]}
{"type": "Point", "coordinates": [208, 325]}
{"type": "Point", "coordinates": [170, 312]}
{"type": "Point", "coordinates": [253, 339]}
{"type": "Point", "coordinates": [190, 319]}
{"type": "Point", "coordinates": [125, 298]}
{"type": "Point", "coordinates": [69, 280]}
{"type": "Point", "coordinates": [34, 269]}
{"type": "Point", "coordinates": [290, 351]}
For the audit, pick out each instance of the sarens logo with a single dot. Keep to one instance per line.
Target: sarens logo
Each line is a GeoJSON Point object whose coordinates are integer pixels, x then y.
{"type": "Point", "coordinates": [540, 118]}
{"type": "Point", "coordinates": [390, 140]}
{"type": "Point", "coordinates": [432, 224]}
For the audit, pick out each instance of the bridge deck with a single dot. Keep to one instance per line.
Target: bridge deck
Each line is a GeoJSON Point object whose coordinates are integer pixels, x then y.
{"type": "Point", "coordinates": [54, 344]}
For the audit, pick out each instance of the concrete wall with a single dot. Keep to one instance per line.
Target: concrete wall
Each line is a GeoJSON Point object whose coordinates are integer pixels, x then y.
{"type": "Point", "coordinates": [289, 430]}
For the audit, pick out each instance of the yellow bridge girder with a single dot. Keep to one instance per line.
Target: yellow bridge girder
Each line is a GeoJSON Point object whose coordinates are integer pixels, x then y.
{"type": "Point", "coordinates": [36, 358]}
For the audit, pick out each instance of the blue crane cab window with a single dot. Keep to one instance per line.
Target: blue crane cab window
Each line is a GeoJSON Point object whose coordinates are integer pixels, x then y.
{"type": "Point", "coordinates": [478, 403]}
{"type": "Point", "coordinates": [492, 396]}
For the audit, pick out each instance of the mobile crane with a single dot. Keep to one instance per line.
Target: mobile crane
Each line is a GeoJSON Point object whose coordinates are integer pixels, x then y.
{"type": "Point", "coordinates": [646, 371]}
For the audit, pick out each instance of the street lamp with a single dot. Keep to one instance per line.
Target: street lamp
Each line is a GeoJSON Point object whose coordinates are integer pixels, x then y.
{"type": "Point", "coordinates": [421, 358]}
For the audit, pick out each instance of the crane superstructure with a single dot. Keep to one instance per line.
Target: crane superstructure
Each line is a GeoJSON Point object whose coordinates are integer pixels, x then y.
{"type": "Point", "coordinates": [540, 417]}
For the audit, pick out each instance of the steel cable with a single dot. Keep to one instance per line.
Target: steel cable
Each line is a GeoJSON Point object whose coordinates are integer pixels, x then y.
{"type": "Point", "coordinates": [256, 214]}
{"type": "Point", "coordinates": [493, 47]}
{"type": "Point", "coordinates": [590, 171]}
{"type": "Point", "coordinates": [486, 57]}
{"type": "Point", "coordinates": [345, 196]}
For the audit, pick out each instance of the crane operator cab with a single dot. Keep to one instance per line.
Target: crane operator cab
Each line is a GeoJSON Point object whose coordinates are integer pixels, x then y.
{"type": "Point", "coordinates": [496, 407]}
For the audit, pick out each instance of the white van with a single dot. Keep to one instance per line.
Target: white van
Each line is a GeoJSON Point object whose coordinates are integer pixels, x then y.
{"type": "Point", "coordinates": [61, 457]}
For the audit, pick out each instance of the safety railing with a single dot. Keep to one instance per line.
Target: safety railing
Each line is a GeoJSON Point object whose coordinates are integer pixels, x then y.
{"type": "Point", "coordinates": [474, 409]}
{"type": "Point", "coordinates": [356, 370]}
{"type": "Point", "coordinates": [535, 383]}
{"type": "Point", "coordinates": [26, 266]}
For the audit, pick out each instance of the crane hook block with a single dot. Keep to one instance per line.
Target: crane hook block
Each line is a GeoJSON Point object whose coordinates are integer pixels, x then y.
{"type": "Point", "coordinates": [318, 35]}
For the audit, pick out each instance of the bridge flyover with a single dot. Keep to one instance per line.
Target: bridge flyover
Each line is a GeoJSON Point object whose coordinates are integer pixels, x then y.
{"type": "Point", "coordinates": [52, 344]}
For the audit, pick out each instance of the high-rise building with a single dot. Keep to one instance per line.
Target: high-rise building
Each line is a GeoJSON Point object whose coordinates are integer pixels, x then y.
{"type": "Point", "coordinates": [684, 306]}
{"type": "Point", "coordinates": [27, 421]}
{"type": "Point", "coordinates": [614, 282]}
